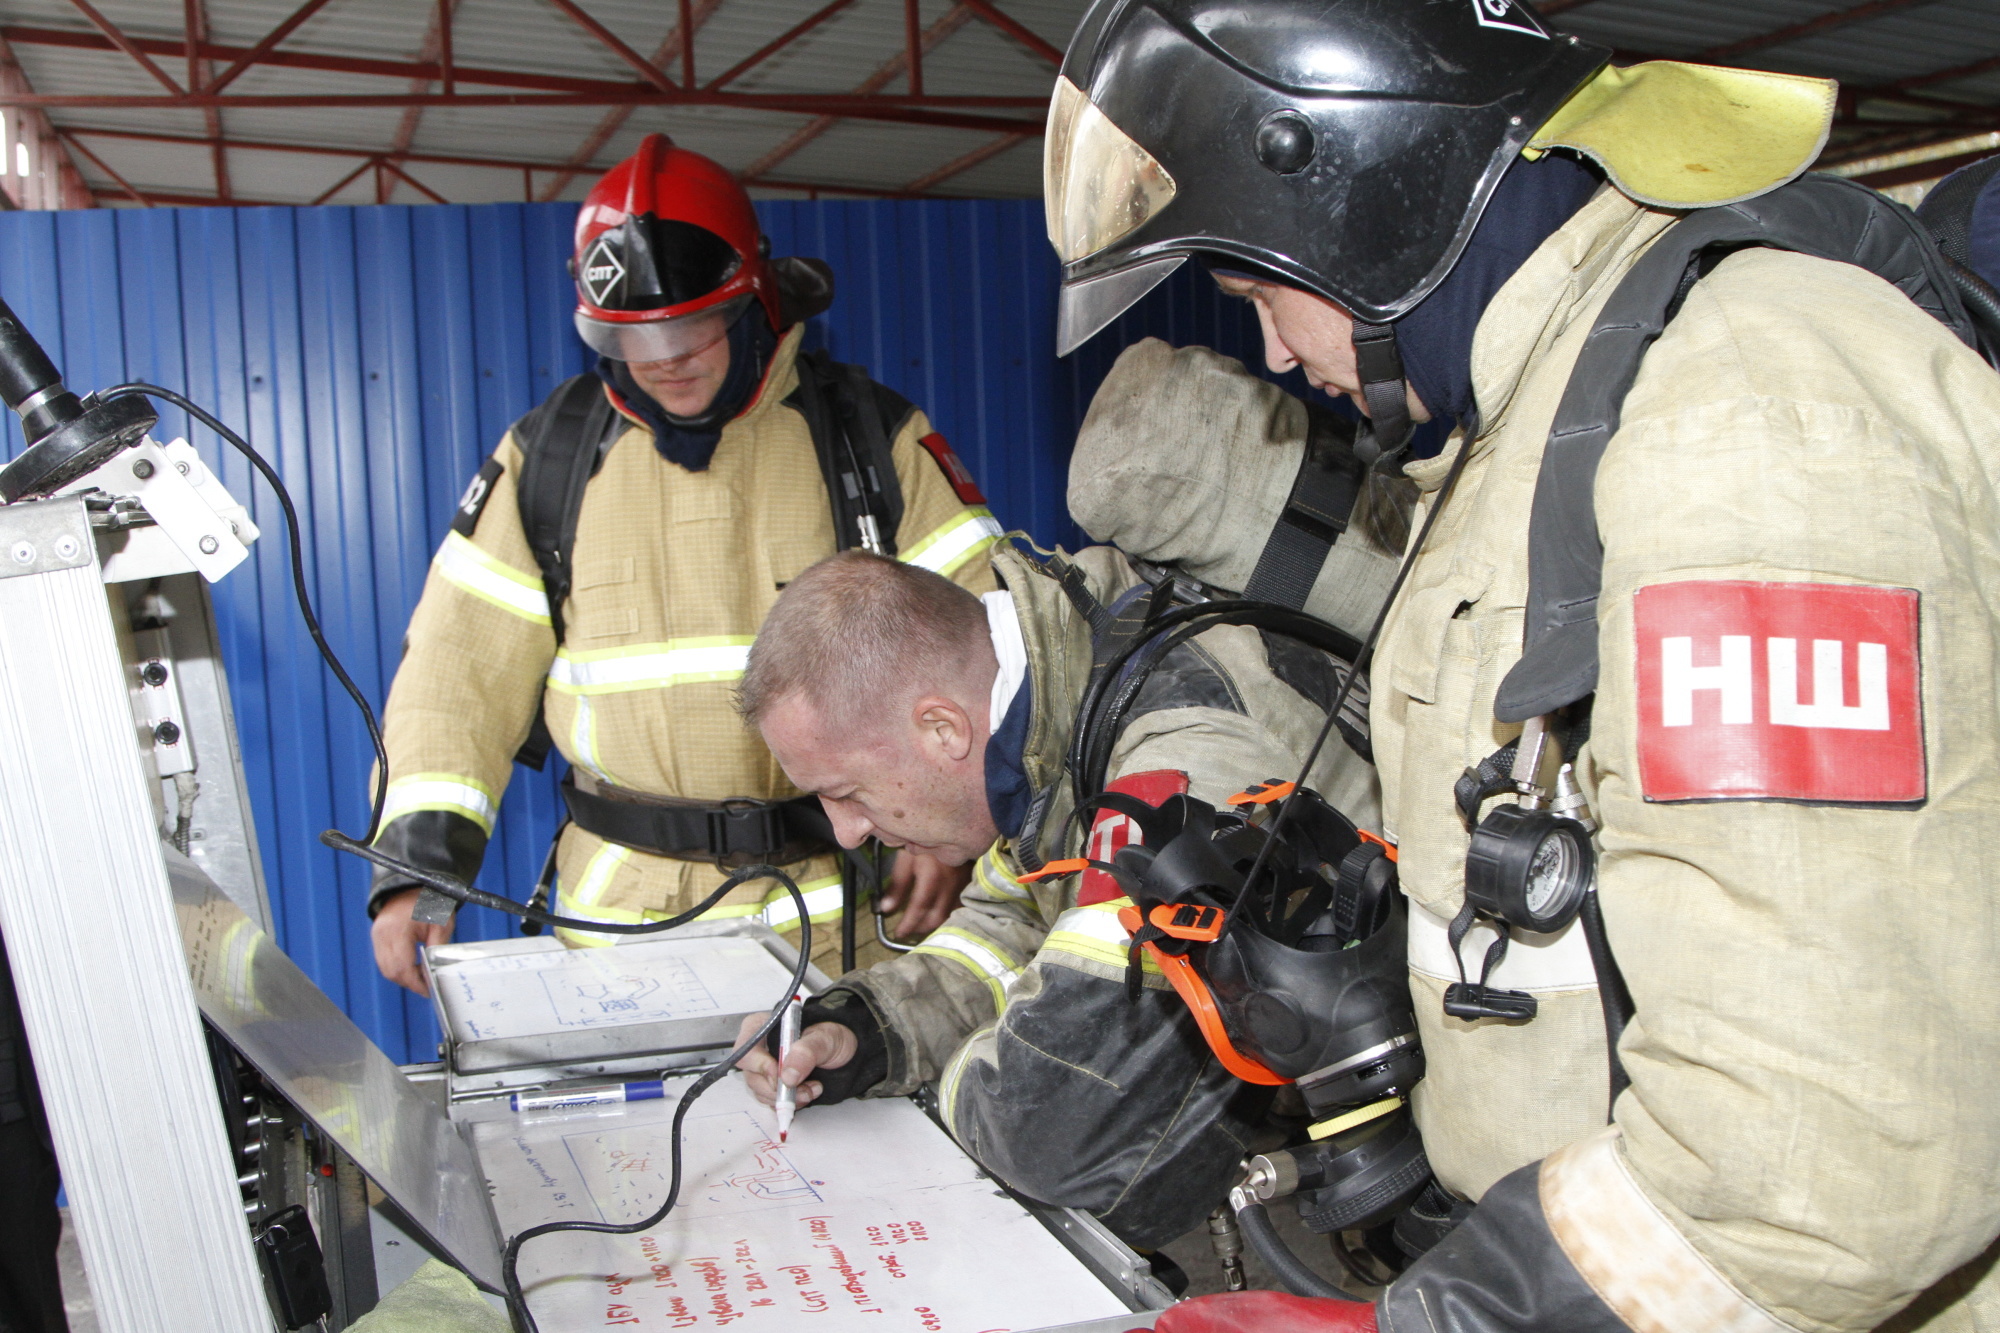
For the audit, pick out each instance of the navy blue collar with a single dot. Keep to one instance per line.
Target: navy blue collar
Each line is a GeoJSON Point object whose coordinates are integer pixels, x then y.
{"type": "Point", "coordinates": [1531, 203]}
{"type": "Point", "coordinates": [1007, 790]}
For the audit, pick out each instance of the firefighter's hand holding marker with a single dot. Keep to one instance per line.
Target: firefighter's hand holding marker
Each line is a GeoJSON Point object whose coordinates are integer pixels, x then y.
{"type": "Point", "coordinates": [821, 1046]}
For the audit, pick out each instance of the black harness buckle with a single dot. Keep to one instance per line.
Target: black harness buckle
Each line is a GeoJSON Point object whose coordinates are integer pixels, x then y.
{"type": "Point", "coordinates": [744, 826]}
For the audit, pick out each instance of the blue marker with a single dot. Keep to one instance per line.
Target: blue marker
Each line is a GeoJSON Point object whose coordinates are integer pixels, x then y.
{"type": "Point", "coordinates": [578, 1099]}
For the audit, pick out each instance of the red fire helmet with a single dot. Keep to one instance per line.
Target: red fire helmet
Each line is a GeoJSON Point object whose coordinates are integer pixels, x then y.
{"type": "Point", "coordinates": [668, 254]}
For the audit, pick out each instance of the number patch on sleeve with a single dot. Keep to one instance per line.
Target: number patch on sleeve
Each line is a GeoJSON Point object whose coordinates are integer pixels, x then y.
{"type": "Point", "coordinates": [465, 518]}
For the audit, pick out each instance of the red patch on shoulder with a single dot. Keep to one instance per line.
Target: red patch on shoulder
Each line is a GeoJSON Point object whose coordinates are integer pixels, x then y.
{"type": "Point", "coordinates": [954, 471]}
{"type": "Point", "coordinates": [1780, 692]}
{"type": "Point", "coordinates": [1111, 830]}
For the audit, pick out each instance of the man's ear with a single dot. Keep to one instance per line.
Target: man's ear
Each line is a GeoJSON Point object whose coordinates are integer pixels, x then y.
{"type": "Point", "coordinates": [943, 727]}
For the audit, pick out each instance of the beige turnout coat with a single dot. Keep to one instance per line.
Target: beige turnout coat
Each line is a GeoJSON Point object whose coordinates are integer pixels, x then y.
{"type": "Point", "coordinates": [674, 573]}
{"type": "Point", "coordinates": [1811, 1139]}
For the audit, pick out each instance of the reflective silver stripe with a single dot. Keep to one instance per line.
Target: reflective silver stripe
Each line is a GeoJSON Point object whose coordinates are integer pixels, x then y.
{"type": "Point", "coordinates": [441, 791]}
{"type": "Point", "coordinates": [956, 542]}
{"type": "Point", "coordinates": [647, 666]}
{"type": "Point", "coordinates": [987, 963]}
{"type": "Point", "coordinates": [1353, 1061]}
{"type": "Point", "coordinates": [465, 566]}
{"type": "Point", "coordinates": [1094, 932]}
{"type": "Point", "coordinates": [993, 877]}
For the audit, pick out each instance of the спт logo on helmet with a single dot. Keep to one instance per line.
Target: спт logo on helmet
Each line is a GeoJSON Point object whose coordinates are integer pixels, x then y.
{"type": "Point", "coordinates": [669, 255]}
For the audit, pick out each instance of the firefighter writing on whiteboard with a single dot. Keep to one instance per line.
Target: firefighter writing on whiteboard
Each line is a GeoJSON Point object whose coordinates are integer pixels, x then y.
{"type": "Point", "coordinates": [608, 567]}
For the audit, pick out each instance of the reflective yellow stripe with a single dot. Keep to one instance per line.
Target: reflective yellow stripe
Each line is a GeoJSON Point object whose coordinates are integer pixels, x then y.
{"type": "Point", "coordinates": [464, 565]}
{"type": "Point", "coordinates": [978, 956]}
{"type": "Point", "coordinates": [597, 873]}
{"type": "Point", "coordinates": [777, 911]}
{"type": "Point", "coordinates": [965, 535]}
{"type": "Point", "coordinates": [948, 1089]}
{"type": "Point", "coordinates": [993, 877]}
{"type": "Point", "coordinates": [650, 666]}
{"type": "Point", "coordinates": [1093, 932]}
{"type": "Point", "coordinates": [583, 735]}
{"type": "Point", "coordinates": [452, 792]}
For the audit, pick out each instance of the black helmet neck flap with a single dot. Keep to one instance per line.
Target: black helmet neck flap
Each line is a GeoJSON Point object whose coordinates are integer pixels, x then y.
{"type": "Point", "coordinates": [1346, 147]}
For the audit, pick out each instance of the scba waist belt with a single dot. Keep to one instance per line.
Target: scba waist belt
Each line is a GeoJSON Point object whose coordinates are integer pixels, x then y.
{"type": "Point", "coordinates": [730, 833]}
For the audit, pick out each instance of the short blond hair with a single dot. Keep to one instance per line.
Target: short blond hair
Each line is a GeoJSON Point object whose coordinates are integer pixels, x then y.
{"type": "Point", "coordinates": [857, 634]}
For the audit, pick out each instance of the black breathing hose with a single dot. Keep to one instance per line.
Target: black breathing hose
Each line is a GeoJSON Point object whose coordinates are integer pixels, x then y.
{"type": "Point", "coordinates": [1271, 1248]}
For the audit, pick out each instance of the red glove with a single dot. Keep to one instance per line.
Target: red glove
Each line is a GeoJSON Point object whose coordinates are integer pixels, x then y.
{"type": "Point", "coordinates": [1266, 1312]}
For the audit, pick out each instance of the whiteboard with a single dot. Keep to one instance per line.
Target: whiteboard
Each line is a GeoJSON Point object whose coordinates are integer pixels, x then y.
{"type": "Point", "coordinates": [869, 1218]}
{"type": "Point", "coordinates": [502, 996]}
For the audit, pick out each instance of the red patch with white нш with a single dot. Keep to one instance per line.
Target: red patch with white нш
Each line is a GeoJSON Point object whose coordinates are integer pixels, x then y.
{"type": "Point", "coordinates": [1111, 830]}
{"type": "Point", "coordinates": [1779, 692]}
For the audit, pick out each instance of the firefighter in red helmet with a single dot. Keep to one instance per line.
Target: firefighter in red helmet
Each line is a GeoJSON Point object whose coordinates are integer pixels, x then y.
{"type": "Point", "coordinates": [609, 565]}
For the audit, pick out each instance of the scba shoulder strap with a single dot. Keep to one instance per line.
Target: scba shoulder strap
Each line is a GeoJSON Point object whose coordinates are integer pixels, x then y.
{"type": "Point", "coordinates": [1823, 216]}
{"type": "Point", "coordinates": [563, 443]}
{"type": "Point", "coordinates": [854, 423]}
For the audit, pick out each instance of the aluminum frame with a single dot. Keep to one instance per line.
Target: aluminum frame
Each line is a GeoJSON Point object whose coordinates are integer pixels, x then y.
{"type": "Point", "coordinates": [88, 919]}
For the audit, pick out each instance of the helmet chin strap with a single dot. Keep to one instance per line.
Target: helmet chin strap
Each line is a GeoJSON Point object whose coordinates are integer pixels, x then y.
{"type": "Point", "coordinates": [1387, 396]}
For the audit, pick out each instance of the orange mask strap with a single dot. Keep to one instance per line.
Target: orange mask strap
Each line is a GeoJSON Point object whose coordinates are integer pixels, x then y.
{"type": "Point", "coordinates": [1194, 993]}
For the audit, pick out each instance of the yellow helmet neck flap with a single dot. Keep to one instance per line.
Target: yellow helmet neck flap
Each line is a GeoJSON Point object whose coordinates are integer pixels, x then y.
{"type": "Point", "coordinates": [1673, 135]}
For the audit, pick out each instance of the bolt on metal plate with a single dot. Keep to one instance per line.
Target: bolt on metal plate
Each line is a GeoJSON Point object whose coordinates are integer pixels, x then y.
{"type": "Point", "coordinates": [41, 536]}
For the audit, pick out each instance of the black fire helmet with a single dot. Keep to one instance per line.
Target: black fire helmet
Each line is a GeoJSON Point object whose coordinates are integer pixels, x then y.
{"type": "Point", "coordinates": [1346, 147]}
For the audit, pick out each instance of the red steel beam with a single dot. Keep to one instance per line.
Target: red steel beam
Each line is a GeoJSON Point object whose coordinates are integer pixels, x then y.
{"type": "Point", "coordinates": [175, 200]}
{"type": "Point", "coordinates": [1922, 171]}
{"type": "Point", "coordinates": [118, 39]}
{"type": "Point", "coordinates": [817, 188]}
{"type": "Point", "coordinates": [776, 44]}
{"type": "Point", "coordinates": [389, 166]}
{"type": "Point", "coordinates": [105, 167]}
{"type": "Point", "coordinates": [614, 120]}
{"type": "Point", "coordinates": [611, 42]}
{"type": "Point", "coordinates": [687, 47]}
{"type": "Point", "coordinates": [939, 112]}
{"type": "Point", "coordinates": [986, 152]}
{"type": "Point", "coordinates": [1840, 18]}
{"type": "Point", "coordinates": [344, 181]}
{"type": "Point", "coordinates": [317, 150]}
{"type": "Point", "coordinates": [194, 20]}
{"type": "Point", "coordinates": [955, 18]}
{"type": "Point", "coordinates": [437, 46]}
{"type": "Point", "coordinates": [613, 91]}
{"type": "Point", "coordinates": [1019, 31]}
{"type": "Point", "coordinates": [76, 40]}
{"type": "Point", "coordinates": [913, 47]}
{"type": "Point", "coordinates": [1984, 66]}
{"type": "Point", "coordinates": [264, 48]}
{"type": "Point", "coordinates": [55, 182]}
{"type": "Point", "coordinates": [445, 43]}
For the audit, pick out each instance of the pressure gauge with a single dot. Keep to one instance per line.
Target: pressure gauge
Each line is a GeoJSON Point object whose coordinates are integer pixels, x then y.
{"type": "Point", "coordinates": [1529, 868]}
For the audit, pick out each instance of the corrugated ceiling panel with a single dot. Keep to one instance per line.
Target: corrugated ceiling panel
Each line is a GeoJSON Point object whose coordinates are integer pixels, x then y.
{"type": "Point", "coordinates": [376, 355]}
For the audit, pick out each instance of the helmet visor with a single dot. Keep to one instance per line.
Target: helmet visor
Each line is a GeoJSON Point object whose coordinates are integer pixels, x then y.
{"type": "Point", "coordinates": [1099, 184]}
{"type": "Point", "coordinates": [661, 339]}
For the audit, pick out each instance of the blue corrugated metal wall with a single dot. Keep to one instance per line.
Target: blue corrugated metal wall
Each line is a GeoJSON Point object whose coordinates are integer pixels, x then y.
{"type": "Point", "coordinates": [375, 355]}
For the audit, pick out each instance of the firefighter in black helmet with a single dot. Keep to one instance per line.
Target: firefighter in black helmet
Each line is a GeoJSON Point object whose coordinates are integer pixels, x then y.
{"type": "Point", "coordinates": [1443, 209]}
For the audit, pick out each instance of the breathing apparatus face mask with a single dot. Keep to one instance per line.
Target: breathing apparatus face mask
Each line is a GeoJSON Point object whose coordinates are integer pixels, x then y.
{"type": "Point", "coordinates": [1300, 979]}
